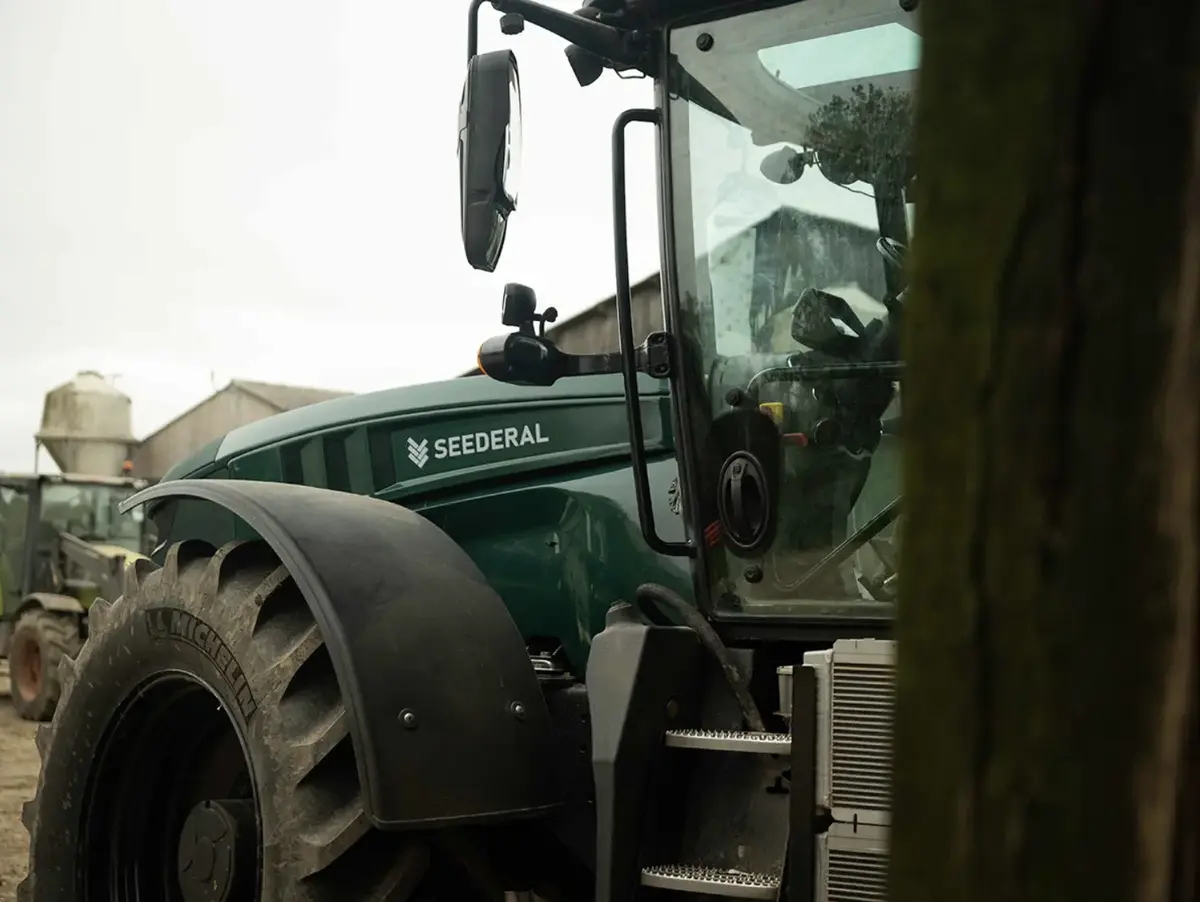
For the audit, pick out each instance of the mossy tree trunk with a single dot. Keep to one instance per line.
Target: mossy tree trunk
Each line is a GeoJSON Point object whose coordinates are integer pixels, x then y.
{"type": "Point", "coordinates": [1046, 736]}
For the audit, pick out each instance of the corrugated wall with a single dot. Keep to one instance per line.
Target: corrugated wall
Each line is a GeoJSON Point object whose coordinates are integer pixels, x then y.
{"type": "Point", "coordinates": [595, 330]}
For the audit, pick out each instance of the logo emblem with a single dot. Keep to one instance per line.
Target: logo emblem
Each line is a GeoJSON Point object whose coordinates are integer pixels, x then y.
{"type": "Point", "coordinates": [418, 452]}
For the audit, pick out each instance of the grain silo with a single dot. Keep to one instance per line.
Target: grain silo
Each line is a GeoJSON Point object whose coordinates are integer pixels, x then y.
{"type": "Point", "coordinates": [87, 426]}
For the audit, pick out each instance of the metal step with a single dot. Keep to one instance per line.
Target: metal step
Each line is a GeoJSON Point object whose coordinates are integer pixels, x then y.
{"type": "Point", "coordinates": [686, 878]}
{"type": "Point", "coordinates": [731, 741]}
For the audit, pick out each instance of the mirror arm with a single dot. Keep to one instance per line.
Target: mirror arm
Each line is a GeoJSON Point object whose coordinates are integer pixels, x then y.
{"type": "Point", "coordinates": [652, 357]}
{"type": "Point", "coordinates": [473, 29]}
{"type": "Point", "coordinates": [591, 364]}
{"type": "Point", "coordinates": [605, 41]}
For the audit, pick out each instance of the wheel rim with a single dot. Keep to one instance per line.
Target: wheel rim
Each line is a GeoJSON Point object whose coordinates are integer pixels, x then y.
{"type": "Point", "coordinates": [170, 812]}
{"type": "Point", "coordinates": [27, 669]}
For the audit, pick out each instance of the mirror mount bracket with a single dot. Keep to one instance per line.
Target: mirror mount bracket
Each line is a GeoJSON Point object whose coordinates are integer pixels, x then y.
{"type": "Point", "coordinates": [652, 357]}
{"type": "Point", "coordinates": [619, 47]}
{"type": "Point", "coordinates": [608, 42]}
{"type": "Point", "coordinates": [526, 326]}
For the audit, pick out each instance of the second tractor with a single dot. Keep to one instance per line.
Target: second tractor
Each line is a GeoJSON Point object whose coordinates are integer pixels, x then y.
{"type": "Point", "coordinates": [63, 543]}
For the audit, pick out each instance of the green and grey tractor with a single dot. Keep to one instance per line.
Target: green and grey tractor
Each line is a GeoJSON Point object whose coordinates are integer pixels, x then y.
{"type": "Point", "coordinates": [603, 627]}
{"type": "Point", "coordinates": [63, 544]}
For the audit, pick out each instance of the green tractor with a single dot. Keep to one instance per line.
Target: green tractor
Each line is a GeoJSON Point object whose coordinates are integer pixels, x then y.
{"type": "Point", "coordinates": [604, 627]}
{"type": "Point", "coordinates": [63, 543]}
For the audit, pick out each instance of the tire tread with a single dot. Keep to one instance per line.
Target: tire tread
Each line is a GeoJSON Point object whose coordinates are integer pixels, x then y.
{"type": "Point", "coordinates": [327, 840]}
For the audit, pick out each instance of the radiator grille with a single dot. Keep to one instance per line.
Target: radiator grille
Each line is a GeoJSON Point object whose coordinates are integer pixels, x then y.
{"type": "Point", "coordinates": [856, 875]}
{"type": "Point", "coordinates": [861, 730]}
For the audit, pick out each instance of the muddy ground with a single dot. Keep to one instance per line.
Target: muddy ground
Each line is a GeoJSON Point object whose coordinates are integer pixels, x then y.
{"type": "Point", "coordinates": [18, 779]}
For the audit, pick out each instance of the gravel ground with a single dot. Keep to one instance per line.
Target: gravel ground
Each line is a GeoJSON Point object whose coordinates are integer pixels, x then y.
{"type": "Point", "coordinates": [18, 779]}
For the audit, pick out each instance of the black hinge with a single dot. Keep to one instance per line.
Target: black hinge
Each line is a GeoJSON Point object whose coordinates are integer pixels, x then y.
{"type": "Point", "coordinates": [654, 356]}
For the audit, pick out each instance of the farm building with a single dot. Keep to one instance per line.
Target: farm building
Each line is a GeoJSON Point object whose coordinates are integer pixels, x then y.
{"type": "Point", "coordinates": [238, 403]}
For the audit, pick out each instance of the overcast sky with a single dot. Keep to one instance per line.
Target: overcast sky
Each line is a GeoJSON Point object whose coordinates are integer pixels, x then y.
{"type": "Point", "coordinates": [198, 190]}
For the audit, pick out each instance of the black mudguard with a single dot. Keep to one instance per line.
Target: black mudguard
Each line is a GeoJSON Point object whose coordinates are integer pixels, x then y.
{"type": "Point", "coordinates": [51, 601]}
{"type": "Point", "coordinates": [445, 712]}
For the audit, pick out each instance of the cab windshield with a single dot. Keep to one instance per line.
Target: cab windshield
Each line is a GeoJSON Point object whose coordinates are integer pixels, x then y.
{"type": "Point", "coordinates": [790, 161]}
{"type": "Point", "coordinates": [90, 512]}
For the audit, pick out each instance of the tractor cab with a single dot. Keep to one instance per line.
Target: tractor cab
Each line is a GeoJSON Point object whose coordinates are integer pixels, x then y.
{"type": "Point", "coordinates": [785, 164]}
{"type": "Point", "coordinates": [785, 167]}
{"type": "Point", "coordinates": [36, 511]}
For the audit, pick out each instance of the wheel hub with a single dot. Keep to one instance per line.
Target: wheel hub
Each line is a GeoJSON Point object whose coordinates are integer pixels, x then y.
{"type": "Point", "coordinates": [217, 851]}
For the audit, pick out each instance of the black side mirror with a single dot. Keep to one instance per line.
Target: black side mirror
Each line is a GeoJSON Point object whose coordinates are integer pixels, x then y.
{"type": "Point", "coordinates": [785, 165]}
{"type": "Point", "coordinates": [489, 151]}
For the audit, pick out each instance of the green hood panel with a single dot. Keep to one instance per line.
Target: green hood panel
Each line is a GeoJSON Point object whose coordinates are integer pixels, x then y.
{"type": "Point", "coordinates": [412, 441]}
{"type": "Point", "coordinates": [416, 399]}
{"type": "Point", "coordinates": [534, 483]}
{"type": "Point", "coordinates": [197, 463]}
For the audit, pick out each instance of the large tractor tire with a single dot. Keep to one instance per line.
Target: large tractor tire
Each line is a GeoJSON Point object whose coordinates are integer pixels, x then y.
{"type": "Point", "coordinates": [200, 752]}
{"type": "Point", "coordinates": [40, 641]}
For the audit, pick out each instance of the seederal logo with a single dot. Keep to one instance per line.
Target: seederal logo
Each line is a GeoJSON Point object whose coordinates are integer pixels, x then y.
{"type": "Point", "coordinates": [418, 452]}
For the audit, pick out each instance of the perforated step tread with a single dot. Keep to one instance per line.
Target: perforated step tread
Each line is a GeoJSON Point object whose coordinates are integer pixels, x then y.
{"type": "Point", "coordinates": [687, 878]}
{"type": "Point", "coordinates": [731, 741]}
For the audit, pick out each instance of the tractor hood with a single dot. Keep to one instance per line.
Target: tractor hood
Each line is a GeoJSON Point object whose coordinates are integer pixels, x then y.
{"type": "Point", "coordinates": [411, 441]}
